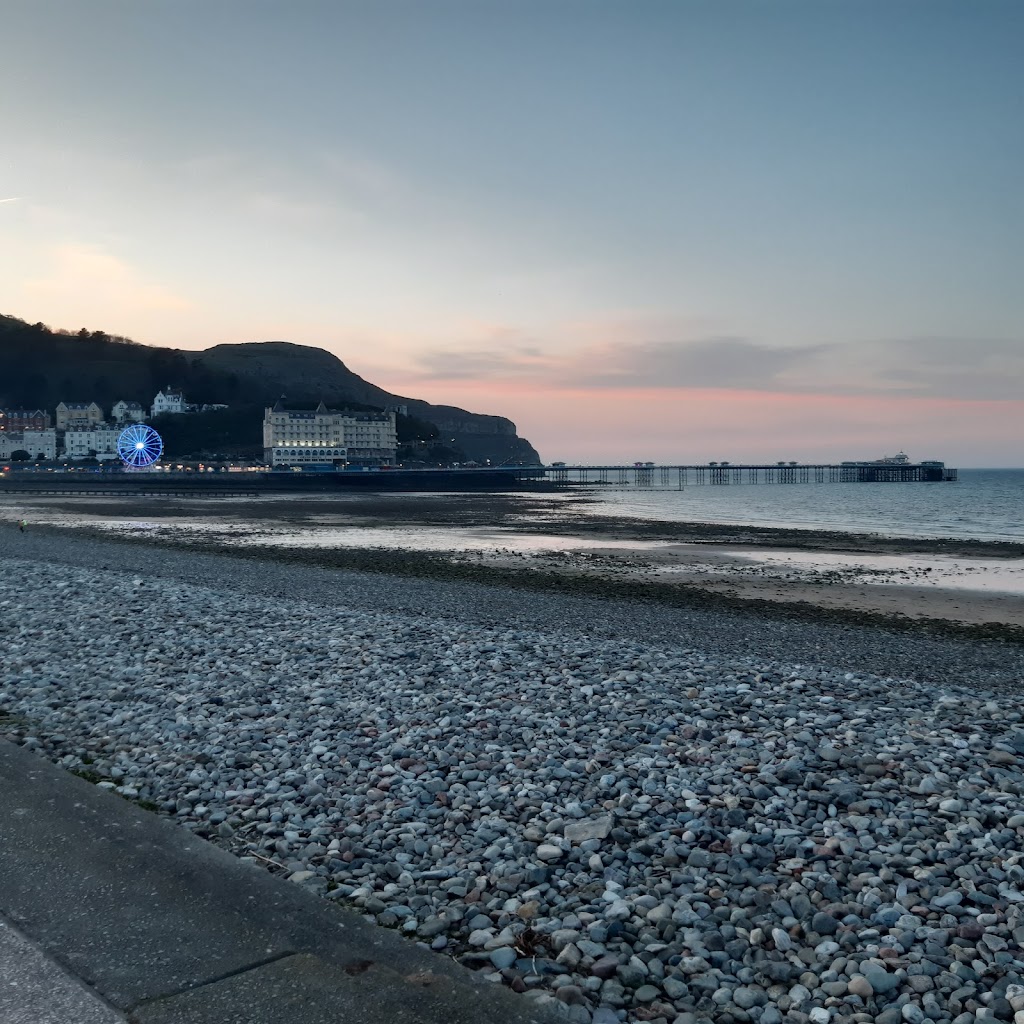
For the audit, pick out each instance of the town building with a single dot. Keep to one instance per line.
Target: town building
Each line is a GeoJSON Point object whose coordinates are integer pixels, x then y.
{"type": "Point", "coordinates": [128, 412]}
{"type": "Point", "coordinates": [303, 436]}
{"type": "Point", "coordinates": [169, 401]}
{"type": "Point", "coordinates": [24, 419]}
{"type": "Point", "coordinates": [100, 440]}
{"type": "Point", "coordinates": [371, 438]}
{"type": "Point", "coordinates": [78, 414]}
{"type": "Point", "coordinates": [38, 444]}
{"type": "Point", "coordinates": [322, 435]}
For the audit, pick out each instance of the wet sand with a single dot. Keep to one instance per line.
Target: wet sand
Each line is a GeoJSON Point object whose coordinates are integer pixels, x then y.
{"type": "Point", "coordinates": [544, 542]}
{"type": "Point", "coordinates": [963, 591]}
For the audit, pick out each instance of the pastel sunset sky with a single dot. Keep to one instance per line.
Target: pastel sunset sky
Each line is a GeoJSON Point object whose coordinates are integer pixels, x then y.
{"type": "Point", "coordinates": [656, 229]}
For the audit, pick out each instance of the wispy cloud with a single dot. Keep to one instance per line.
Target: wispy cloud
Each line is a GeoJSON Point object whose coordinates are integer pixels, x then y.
{"type": "Point", "coordinates": [940, 367]}
{"type": "Point", "coordinates": [517, 361]}
{"type": "Point", "coordinates": [13, 199]}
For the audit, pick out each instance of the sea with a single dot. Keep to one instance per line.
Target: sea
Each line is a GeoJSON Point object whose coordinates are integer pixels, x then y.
{"type": "Point", "coordinates": [984, 504]}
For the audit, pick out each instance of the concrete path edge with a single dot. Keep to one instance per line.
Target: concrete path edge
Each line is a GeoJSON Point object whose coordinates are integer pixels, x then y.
{"type": "Point", "coordinates": [168, 928]}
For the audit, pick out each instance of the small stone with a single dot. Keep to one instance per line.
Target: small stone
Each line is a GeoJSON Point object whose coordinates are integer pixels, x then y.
{"type": "Point", "coordinates": [744, 998]}
{"type": "Point", "coordinates": [630, 976]}
{"type": "Point", "coordinates": [860, 986]}
{"type": "Point", "coordinates": [881, 981]}
{"type": "Point", "coordinates": [570, 994]}
{"type": "Point", "coordinates": [528, 911]}
{"type": "Point", "coordinates": [503, 957]}
{"type": "Point", "coordinates": [569, 956]}
{"type": "Point", "coordinates": [548, 852]}
{"type": "Point", "coordinates": [674, 988]}
{"type": "Point", "coordinates": [594, 828]}
{"type": "Point", "coordinates": [605, 967]}
{"type": "Point", "coordinates": [824, 924]}
{"type": "Point", "coordinates": [646, 994]}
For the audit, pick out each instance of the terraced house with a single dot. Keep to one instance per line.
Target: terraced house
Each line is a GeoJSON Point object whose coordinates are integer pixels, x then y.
{"type": "Point", "coordinates": [35, 445]}
{"type": "Point", "coordinates": [24, 419]}
{"type": "Point", "coordinates": [78, 414]}
{"type": "Point", "coordinates": [99, 440]}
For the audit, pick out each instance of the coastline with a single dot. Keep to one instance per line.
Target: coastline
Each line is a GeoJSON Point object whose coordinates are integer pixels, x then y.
{"type": "Point", "coordinates": [895, 582]}
{"type": "Point", "coordinates": [525, 513]}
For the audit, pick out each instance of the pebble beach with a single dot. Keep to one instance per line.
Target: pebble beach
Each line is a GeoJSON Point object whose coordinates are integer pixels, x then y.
{"type": "Point", "coordinates": [626, 813]}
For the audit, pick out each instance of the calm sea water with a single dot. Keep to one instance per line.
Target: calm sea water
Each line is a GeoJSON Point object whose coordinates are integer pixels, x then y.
{"type": "Point", "coordinates": [985, 504]}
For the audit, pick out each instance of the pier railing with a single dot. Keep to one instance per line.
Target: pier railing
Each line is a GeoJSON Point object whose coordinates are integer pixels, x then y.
{"type": "Point", "coordinates": [648, 476]}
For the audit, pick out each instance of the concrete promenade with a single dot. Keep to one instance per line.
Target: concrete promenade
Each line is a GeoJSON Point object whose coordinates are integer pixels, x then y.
{"type": "Point", "coordinates": [109, 913]}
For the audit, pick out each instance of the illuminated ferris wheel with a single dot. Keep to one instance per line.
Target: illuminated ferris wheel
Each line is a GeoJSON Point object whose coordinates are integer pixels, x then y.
{"type": "Point", "coordinates": [139, 446]}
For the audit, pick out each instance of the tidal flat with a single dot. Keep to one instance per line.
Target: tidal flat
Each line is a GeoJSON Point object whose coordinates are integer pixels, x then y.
{"type": "Point", "coordinates": [559, 543]}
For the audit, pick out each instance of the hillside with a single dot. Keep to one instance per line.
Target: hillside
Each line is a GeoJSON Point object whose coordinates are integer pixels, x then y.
{"type": "Point", "coordinates": [42, 367]}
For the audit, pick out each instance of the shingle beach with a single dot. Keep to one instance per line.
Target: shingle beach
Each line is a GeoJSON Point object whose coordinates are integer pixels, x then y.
{"type": "Point", "coordinates": [635, 813]}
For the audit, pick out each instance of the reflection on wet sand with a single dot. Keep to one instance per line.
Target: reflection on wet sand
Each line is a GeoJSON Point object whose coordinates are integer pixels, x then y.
{"type": "Point", "coordinates": [966, 581]}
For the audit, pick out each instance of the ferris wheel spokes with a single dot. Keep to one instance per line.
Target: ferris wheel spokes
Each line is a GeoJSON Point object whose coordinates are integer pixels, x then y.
{"type": "Point", "coordinates": [139, 446]}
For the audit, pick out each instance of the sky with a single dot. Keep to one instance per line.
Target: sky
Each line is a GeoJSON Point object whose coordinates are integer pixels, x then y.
{"type": "Point", "coordinates": [659, 230]}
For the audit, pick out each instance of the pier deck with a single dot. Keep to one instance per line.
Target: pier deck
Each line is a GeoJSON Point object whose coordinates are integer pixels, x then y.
{"type": "Point", "coordinates": [752, 473]}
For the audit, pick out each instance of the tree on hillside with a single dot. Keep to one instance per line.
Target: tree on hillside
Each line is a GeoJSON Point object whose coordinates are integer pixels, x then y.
{"type": "Point", "coordinates": [411, 428]}
{"type": "Point", "coordinates": [236, 432]}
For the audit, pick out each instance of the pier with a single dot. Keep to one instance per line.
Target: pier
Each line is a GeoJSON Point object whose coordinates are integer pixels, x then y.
{"type": "Point", "coordinates": [647, 475]}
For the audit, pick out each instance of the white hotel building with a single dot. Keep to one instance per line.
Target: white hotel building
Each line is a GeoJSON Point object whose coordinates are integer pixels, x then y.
{"type": "Point", "coordinates": [80, 442]}
{"type": "Point", "coordinates": [295, 437]}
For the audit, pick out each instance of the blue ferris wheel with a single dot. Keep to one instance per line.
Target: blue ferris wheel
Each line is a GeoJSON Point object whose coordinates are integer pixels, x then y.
{"type": "Point", "coordinates": [139, 446]}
